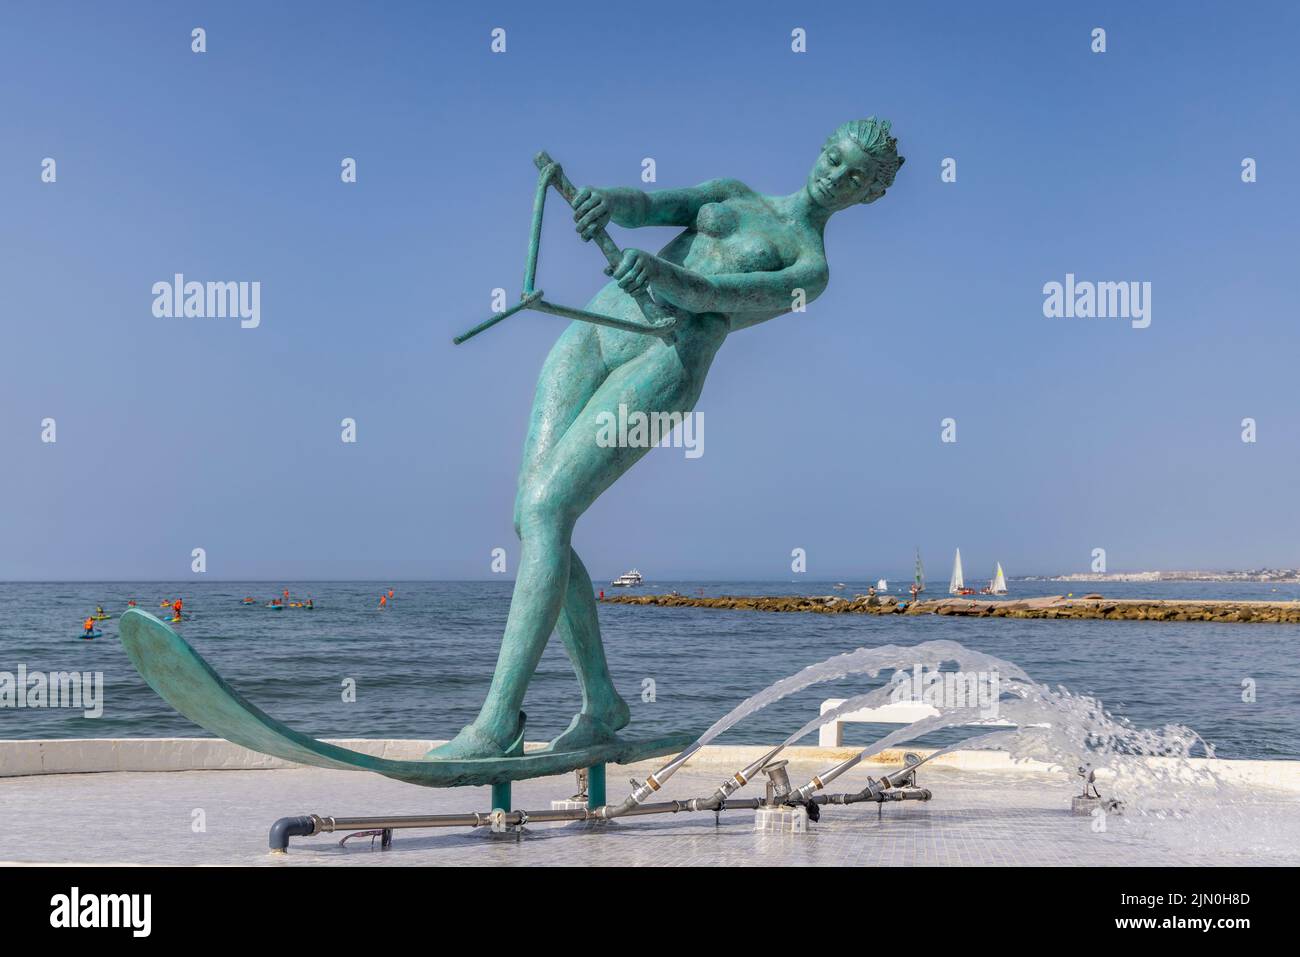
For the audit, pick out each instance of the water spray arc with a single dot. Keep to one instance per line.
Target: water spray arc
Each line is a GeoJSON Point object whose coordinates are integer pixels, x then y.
{"type": "Point", "coordinates": [868, 661]}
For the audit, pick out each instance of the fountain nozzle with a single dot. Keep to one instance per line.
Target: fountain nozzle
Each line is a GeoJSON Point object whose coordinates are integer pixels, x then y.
{"type": "Point", "coordinates": [1091, 800]}
{"type": "Point", "coordinates": [906, 777]}
{"type": "Point", "coordinates": [778, 782]}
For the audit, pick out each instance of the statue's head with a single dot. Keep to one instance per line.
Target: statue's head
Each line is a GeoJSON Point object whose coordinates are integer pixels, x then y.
{"type": "Point", "coordinates": [857, 165]}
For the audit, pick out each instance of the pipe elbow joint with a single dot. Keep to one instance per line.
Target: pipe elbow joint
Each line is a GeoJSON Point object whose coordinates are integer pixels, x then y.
{"type": "Point", "coordinates": [288, 827]}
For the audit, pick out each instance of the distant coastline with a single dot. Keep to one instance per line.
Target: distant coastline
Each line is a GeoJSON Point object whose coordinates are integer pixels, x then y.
{"type": "Point", "coordinates": [1288, 576]}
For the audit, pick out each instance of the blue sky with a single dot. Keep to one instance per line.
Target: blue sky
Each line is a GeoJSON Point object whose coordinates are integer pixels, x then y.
{"type": "Point", "coordinates": [822, 430]}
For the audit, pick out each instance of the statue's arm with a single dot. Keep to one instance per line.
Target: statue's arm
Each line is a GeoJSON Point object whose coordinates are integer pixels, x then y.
{"type": "Point", "coordinates": [759, 293]}
{"type": "Point", "coordinates": [633, 208]}
{"type": "Point", "coordinates": [678, 207]}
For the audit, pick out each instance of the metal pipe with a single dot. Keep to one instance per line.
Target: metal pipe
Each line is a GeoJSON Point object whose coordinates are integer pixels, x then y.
{"type": "Point", "coordinates": [742, 777]}
{"type": "Point", "coordinates": [652, 783]}
{"type": "Point", "coordinates": [309, 825]}
{"type": "Point", "coordinates": [526, 301]}
{"type": "Point", "coordinates": [535, 233]}
{"type": "Point", "coordinates": [819, 781]}
{"type": "Point", "coordinates": [472, 819]}
{"type": "Point", "coordinates": [875, 794]}
{"type": "Point", "coordinates": [516, 818]}
{"type": "Point", "coordinates": [599, 319]}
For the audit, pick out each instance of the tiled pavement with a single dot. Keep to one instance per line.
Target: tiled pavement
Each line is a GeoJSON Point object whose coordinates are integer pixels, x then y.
{"type": "Point", "coordinates": [976, 818]}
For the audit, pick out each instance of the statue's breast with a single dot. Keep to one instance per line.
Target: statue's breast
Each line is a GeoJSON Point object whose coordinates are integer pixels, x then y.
{"type": "Point", "coordinates": [717, 220]}
{"type": "Point", "coordinates": [732, 237]}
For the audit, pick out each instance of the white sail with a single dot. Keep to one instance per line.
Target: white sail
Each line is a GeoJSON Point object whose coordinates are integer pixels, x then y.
{"type": "Point", "coordinates": [957, 583]}
{"type": "Point", "coordinates": [882, 585]}
{"type": "Point", "coordinates": [999, 584]}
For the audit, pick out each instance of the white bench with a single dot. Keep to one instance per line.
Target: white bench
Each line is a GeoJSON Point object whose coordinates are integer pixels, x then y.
{"type": "Point", "coordinates": [831, 734]}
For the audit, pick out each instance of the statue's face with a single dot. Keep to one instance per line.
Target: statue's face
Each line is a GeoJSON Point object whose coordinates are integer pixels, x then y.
{"type": "Point", "coordinates": [842, 174]}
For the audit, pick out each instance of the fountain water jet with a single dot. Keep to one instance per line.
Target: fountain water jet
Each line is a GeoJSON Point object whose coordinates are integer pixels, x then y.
{"type": "Point", "coordinates": [869, 661]}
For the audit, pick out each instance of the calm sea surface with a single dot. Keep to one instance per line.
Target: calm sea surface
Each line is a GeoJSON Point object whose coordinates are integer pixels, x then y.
{"type": "Point", "coordinates": [422, 666]}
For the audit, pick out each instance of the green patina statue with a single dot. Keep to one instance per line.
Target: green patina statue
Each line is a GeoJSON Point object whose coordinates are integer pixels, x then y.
{"type": "Point", "coordinates": [743, 258]}
{"type": "Point", "coordinates": [645, 342]}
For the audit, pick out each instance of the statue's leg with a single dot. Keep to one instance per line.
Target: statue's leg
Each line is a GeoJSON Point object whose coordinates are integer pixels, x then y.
{"type": "Point", "coordinates": [573, 371]}
{"type": "Point", "coordinates": [557, 487]}
{"type": "Point", "coordinates": [540, 586]}
{"type": "Point", "coordinates": [603, 710]}
{"type": "Point", "coordinates": [541, 583]}
{"type": "Point", "coordinates": [579, 467]}
{"type": "Point", "coordinates": [571, 376]}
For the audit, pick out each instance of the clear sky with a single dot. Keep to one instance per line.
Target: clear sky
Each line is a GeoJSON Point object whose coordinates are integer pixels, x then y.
{"type": "Point", "coordinates": [822, 431]}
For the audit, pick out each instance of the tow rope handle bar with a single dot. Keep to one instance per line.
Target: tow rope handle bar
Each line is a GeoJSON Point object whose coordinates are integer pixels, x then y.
{"type": "Point", "coordinates": [660, 320]}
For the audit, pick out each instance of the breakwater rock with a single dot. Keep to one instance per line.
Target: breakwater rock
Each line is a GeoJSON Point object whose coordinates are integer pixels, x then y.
{"type": "Point", "coordinates": [1054, 606]}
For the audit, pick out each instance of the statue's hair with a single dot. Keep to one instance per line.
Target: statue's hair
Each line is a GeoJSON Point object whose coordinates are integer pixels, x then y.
{"type": "Point", "coordinates": [872, 135]}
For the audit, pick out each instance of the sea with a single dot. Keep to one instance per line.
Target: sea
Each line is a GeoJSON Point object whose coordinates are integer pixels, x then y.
{"type": "Point", "coordinates": [420, 667]}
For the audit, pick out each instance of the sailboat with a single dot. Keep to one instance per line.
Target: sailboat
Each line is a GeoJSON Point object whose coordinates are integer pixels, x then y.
{"type": "Point", "coordinates": [957, 586]}
{"type": "Point", "coordinates": [882, 585]}
{"type": "Point", "coordinates": [998, 586]}
{"type": "Point", "coordinates": [918, 579]}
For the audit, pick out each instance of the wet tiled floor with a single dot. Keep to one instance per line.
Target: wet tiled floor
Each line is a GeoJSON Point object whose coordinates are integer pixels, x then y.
{"type": "Point", "coordinates": [975, 818]}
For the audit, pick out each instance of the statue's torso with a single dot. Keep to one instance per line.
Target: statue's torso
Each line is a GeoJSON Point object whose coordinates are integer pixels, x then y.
{"type": "Point", "coordinates": [742, 234]}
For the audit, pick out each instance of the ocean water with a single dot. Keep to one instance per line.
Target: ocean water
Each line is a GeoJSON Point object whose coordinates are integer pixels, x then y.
{"type": "Point", "coordinates": [422, 666]}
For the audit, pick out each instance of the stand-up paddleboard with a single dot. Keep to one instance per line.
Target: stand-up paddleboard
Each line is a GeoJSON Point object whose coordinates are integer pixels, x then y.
{"type": "Point", "coordinates": [181, 676]}
{"type": "Point", "coordinates": [93, 634]}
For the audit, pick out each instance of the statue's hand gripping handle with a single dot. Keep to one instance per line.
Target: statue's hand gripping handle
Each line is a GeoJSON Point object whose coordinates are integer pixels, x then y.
{"type": "Point", "coordinates": [654, 312]}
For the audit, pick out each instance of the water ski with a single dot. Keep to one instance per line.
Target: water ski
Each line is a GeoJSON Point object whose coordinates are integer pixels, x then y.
{"type": "Point", "coordinates": [181, 676]}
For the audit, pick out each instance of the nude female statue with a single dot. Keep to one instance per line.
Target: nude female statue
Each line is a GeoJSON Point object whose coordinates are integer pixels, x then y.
{"type": "Point", "coordinates": [738, 262]}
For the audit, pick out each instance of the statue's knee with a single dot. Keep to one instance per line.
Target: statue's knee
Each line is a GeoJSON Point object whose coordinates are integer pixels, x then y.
{"type": "Point", "coordinates": [542, 507]}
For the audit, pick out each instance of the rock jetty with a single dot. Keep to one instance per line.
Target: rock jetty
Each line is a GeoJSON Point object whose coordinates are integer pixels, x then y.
{"type": "Point", "coordinates": [1054, 606]}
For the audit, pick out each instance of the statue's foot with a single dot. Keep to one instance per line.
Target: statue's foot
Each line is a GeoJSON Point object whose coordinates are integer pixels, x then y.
{"type": "Point", "coordinates": [616, 715]}
{"type": "Point", "coordinates": [473, 742]}
{"type": "Point", "coordinates": [584, 731]}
